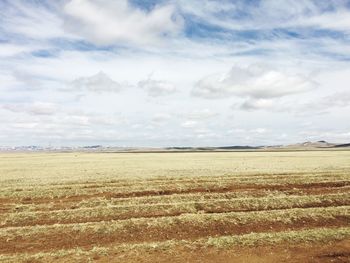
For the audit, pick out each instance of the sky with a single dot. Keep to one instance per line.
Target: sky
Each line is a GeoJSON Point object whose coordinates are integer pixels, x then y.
{"type": "Point", "coordinates": [174, 73]}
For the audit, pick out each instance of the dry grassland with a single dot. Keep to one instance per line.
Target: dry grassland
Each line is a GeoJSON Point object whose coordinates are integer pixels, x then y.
{"type": "Point", "coordinates": [175, 207]}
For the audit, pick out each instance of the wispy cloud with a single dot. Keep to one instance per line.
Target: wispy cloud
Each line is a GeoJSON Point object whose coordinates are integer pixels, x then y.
{"type": "Point", "coordinates": [30, 19]}
{"type": "Point", "coordinates": [270, 14]}
{"type": "Point", "coordinates": [35, 108]}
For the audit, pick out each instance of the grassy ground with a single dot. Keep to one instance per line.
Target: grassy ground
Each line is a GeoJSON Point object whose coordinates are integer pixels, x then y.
{"type": "Point", "coordinates": [179, 207]}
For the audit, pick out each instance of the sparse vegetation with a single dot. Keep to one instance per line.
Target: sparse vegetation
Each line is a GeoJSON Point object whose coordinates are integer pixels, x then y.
{"type": "Point", "coordinates": [153, 207]}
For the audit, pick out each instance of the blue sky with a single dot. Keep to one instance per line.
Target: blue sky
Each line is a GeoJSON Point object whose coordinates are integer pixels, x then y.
{"type": "Point", "coordinates": [174, 73]}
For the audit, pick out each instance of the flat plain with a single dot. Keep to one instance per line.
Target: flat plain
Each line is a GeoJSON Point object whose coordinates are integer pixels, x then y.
{"type": "Point", "coordinates": [291, 206]}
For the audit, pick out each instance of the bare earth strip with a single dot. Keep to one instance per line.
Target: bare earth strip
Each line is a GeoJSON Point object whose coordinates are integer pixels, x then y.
{"type": "Point", "coordinates": [315, 245]}
{"type": "Point", "coordinates": [106, 211]}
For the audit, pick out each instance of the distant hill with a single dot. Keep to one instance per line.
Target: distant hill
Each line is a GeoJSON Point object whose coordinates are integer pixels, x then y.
{"type": "Point", "coordinates": [342, 145]}
{"type": "Point", "coordinates": [100, 148]}
{"type": "Point", "coordinates": [246, 147]}
{"type": "Point", "coordinates": [235, 147]}
{"type": "Point", "coordinates": [318, 144]}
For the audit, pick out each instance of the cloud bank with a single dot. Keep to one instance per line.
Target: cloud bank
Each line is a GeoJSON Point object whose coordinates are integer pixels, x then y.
{"type": "Point", "coordinates": [76, 72]}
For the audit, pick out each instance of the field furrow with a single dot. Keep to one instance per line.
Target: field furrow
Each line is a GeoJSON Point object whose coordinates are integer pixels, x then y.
{"type": "Point", "coordinates": [73, 194]}
{"type": "Point", "coordinates": [15, 205]}
{"type": "Point", "coordinates": [106, 211]}
{"type": "Point", "coordinates": [215, 207]}
{"type": "Point", "coordinates": [189, 226]}
{"type": "Point", "coordinates": [305, 238]}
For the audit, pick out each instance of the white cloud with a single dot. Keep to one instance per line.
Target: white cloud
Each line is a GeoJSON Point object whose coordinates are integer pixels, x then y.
{"type": "Point", "coordinates": [203, 114]}
{"type": "Point", "coordinates": [89, 120]}
{"type": "Point", "coordinates": [7, 80]}
{"type": "Point", "coordinates": [109, 22]}
{"type": "Point", "coordinates": [8, 50]}
{"type": "Point", "coordinates": [259, 130]}
{"type": "Point", "coordinates": [56, 45]}
{"type": "Point", "coordinates": [206, 134]}
{"type": "Point", "coordinates": [29, 81]}
{"type": "Point", "coordinates": [338, 99]}
{"type": "Point", "coordinates": [156, 88]}
{"type": "Point", "coordinates": [258, 82]}
{"type": "Point", "coordinates": [36, 108]}
{"type": "Point", "coordinates": [32, 20]}
{"type": "Point", "coordinates": [257, 104]}
{"type": "Point", "coordinates": [270, 14]}
{"type": "Point", "coordinates": [338, 20]}
{"type": "Point", "coordinates": [99, 83]}
{"type": "Point", "coordinates": [324, 104]}
{"type": "Point", "coordinates": [189, 124]}
{"type": "Point", "coordinates": [318, 105]}
{"type": "Point", "coordinates": [160, 118]}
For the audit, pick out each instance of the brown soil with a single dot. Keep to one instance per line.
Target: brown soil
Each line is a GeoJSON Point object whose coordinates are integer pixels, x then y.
{"type": "Point", "coordinates": [69, 203]}
{"type": "Point", "coordinates": [310, 187]}
{"type": "Point", "coordinates": [66, 238]}
{"type": "Point", "coordinates": [338, 252]}
{"type": "Point", "coordinates": [43, 219]}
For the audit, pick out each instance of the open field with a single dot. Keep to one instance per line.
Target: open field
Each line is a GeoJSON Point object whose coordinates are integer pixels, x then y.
{"type": "Point", "coordinates": [175, 207]}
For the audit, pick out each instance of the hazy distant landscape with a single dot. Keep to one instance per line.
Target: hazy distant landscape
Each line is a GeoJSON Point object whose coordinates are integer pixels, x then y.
{"type": "Point", "coordinates": [100, 148]}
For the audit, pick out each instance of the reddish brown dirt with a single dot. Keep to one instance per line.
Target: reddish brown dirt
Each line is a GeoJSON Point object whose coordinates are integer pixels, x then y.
{"type": "Point", "coordinates": [67, 238]}
{"type": "Point", "coordinates": [337, 252]}
{"type": "Point", "coordinates": [228, 188]}
{"type": "Point", "coordinates": [43, 219]}
{"type": "Point", "coordinates": [69, 202]}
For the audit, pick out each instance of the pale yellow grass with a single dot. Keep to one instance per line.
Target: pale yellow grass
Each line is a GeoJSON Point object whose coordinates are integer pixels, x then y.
{"type": "Point", "coordinates": [47, 168]}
